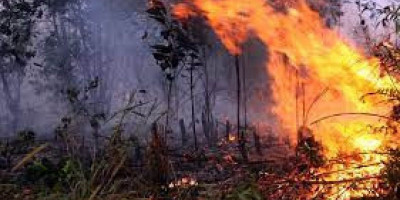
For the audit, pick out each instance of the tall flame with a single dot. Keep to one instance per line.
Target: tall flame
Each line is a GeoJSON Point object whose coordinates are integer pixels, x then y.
{"type": "Point", "coordinates": [305, 59]}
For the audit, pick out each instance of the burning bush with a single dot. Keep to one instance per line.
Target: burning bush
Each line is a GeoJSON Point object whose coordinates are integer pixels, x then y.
{"type": "Point", "coordinates": [309, 150]}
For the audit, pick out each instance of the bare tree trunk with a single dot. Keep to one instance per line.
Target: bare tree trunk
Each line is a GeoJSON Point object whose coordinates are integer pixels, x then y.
{"type": "Point", "coordinates": [183, 132]}
{"type": "Point", "coordinates": [257, 142]}
{"type": "Point", "coordinates": [237, 67]}
{"type": "Point", "coordinates": [214, 125]}
{"type": "Point", "coordinates": [192, 107]}
{"type": "Point", "coordinates": [207, 111]}
{"type": "Point", "coordinates": [12, 101]}
{"type": "Point", "coordinates": [157, 158]}
{"type": "Point", "coordinates": [166, 130]}
{"type": "Point", "coordinates": [244, 93]}
{"type": "Point", "coordinates": [228, 130]}
{"type": "Point", "coordinates": [95, 135]}
{"type": "Point", "coordinates": [240, 134]}
{"type": "Point", "coordinates": [16, 108]}
{"type": "Point", "coordinates": [205, 127]}
{"type": "Point", "coordinates": [209, 130]}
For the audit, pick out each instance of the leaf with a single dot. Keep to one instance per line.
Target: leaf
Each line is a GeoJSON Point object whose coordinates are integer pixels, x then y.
{"type": "Point", "coordinates": [164, 66]}
{"type": "Point", "coordinates": [154, 11]}
{"type": "Point", "coordinates": [175, 61]}
{"type": "Point", "coordinates": [40, 14]}
{"type": "Point", "coordinates": [194, 55]}
{"type": "Point", "coordinates": [165, 34]}
{"type": "Point", "coordinates": [159, 19]}
{"type": "Point", "coordinates": [197, 64]}
{"type": "Point", "coordinates": [159, 56]}
{"type": "Point", "coordinates": [245, 192]}
{"type": "Point", "coordinates": [145, 35]}
{"type": "Point", "coordinates": [93, 83]}
{"type": "Point", "coordinates": [162, 48]}
{"type": "Point", "coordinates": [38, 65]}
{"type": "Point", "coordinates": [159, 5]}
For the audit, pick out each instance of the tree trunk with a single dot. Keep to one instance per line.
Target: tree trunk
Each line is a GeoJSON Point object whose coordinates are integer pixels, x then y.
{"type": "Point", "coordinates": [166, 129]}
{"type": "Point", "coordinates": [211, 133]}
{"type": "Point", "coordinates": [157, 158]}
{"type": "Point", "coordinates": [228, 130]}
{"type": "Point", "coordinates": [244, 93]}
{"type": "Point", "coordinates": [183, 132]}
{"type": "Point", "coordinates": [214, 132]}
{"type": "Point", "coordinates": [192, 107]}
{"type": "Point", "coordinates": [237, 67]}
{"type": "Point", "coordinates": [240, 133]}
{"type": "Point", "coordinates": [205, 127]}
{"type": "Point", "coordinates": [12, 101]}
{"type": "Point", "coordinates": [257, 142]}
{"type": "Point", "coordinates": [207, 99]}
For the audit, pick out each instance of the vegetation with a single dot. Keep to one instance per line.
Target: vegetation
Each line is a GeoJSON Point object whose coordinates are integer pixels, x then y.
{"type": "Point", "coordinates": [108, 143]}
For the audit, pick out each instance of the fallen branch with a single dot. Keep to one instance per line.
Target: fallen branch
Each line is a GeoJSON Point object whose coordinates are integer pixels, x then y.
{"type": "Point", "coordinates": [341, 181]}
{"type": "Point", "coordinates": [29, 157]}
{"type": "Point", "coordinates": [323, 182]}
{"type": "Point", "coordinates": [344, 114]}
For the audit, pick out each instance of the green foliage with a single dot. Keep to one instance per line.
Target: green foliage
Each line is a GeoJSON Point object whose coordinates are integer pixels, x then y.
{"type": "Point", "coordinates": [246, 191]}
{"type": "Point", "coordinates": [67, 51]}
{"type": "Point", "coordinates": [51, 174]}
{"type": "Point", "coordinates": [41, 172]}
{"type": "Point", "coordinates": [80, 108]}
{"type": "Point", "coordinates": [17, 20]}
{"type": "Point", "coordinates": [69, 170]}
{"type": "Point", "coordinates": [21, 145]}
{"type": "Point", "coordinates": [60, 6]}
{"type": "Point", "coordinates": [385, 16]}
{"type": "Point", "coordinates": [177, 48]}
{"type": "Point", "coordinates": [26, 136]}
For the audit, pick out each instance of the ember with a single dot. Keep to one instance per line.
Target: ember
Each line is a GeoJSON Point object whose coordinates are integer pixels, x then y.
{"type": "Point", "coordinates": [183, 182]}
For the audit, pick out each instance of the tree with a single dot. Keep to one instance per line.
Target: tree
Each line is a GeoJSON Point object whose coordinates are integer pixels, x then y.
{"type": "Point", "coordinates": [73, 66]}
{"type": "Point", "coordinates": [17, 25]}
{"type": "Point", "coordinates": [177, 52]}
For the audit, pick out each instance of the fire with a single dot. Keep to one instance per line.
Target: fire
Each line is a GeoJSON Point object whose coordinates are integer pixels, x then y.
{"type": "Point", "coordinates": [232, 138]}
{"type": "Point", "coordinates": [367, 143]}
{"type": "Point", "coordinates": [315, 72]}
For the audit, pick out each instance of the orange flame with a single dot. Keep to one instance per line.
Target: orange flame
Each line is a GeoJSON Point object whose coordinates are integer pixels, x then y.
{"type": "Point", "coordinates": [305, 59]}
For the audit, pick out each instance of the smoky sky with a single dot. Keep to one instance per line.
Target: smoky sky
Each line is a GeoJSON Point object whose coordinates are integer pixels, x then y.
{"type": "Point", "coordinates": [124, 35]}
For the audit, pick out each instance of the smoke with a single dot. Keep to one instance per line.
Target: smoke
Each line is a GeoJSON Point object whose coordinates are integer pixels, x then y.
{"type": "Point", "coordinates": [351, 22]}
{"type": "Point", "coordinates": [122, 34]}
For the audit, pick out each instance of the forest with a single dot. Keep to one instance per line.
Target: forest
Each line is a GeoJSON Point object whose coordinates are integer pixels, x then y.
{"type": "Point", "coordinates": [199, 99]}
